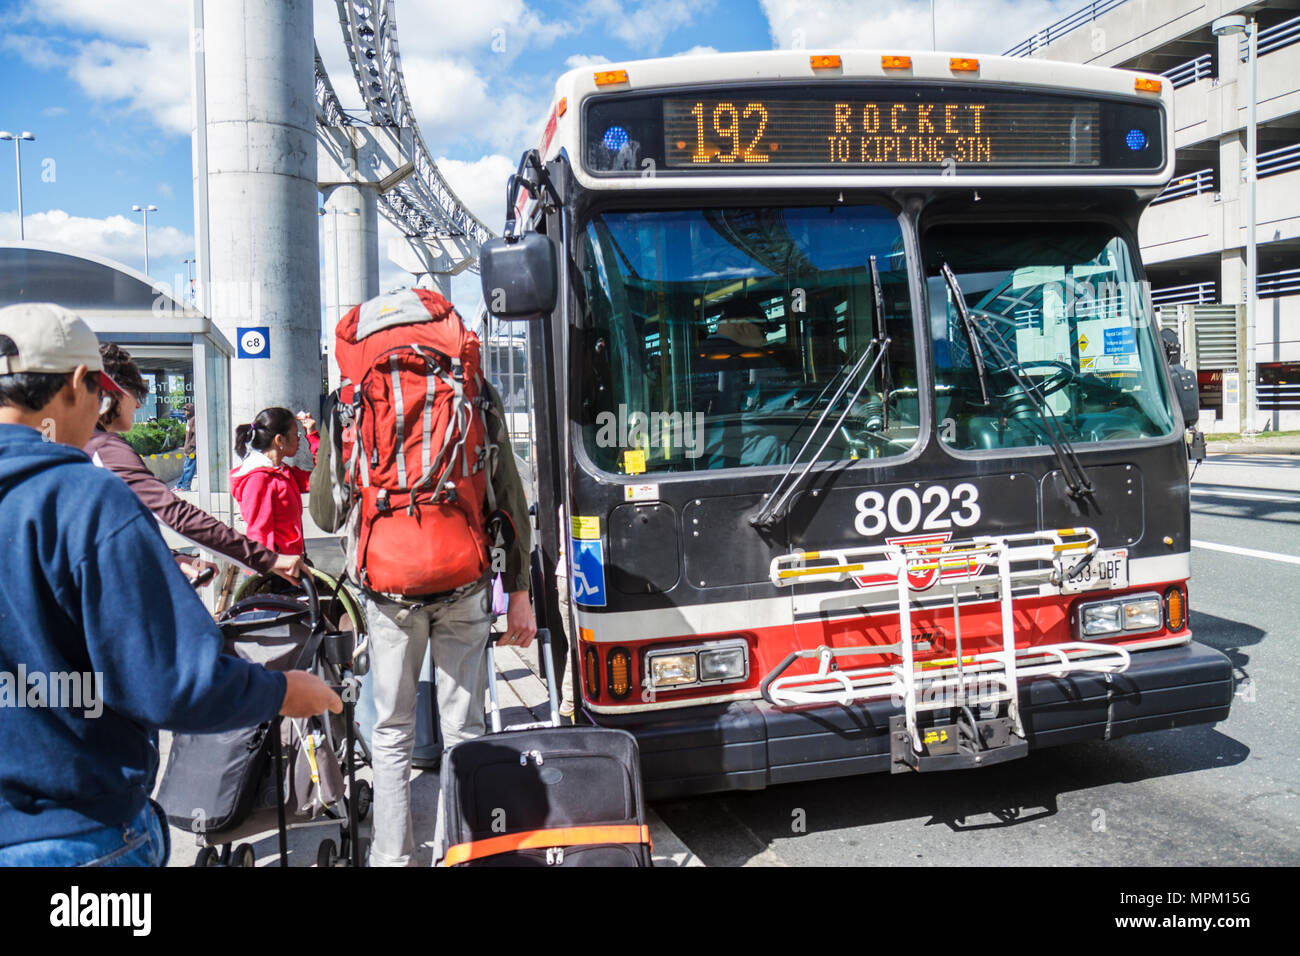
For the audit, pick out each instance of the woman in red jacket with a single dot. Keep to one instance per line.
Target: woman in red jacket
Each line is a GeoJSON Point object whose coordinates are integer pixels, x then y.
{"type": "Point", "coordinates": [269, 490]}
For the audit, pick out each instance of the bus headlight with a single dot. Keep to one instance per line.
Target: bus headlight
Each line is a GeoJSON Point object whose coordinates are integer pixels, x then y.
{"type": "Point", "coordinates": [1142, 612]}
{"type": "Point", "coordinates": [1101, 619]}
{"type": "Point", "coordinates": [712, 662]}
{"type": "Point", "coordinates": [723, 663]}
{"type": "Point", "coordinates": [1144, 615]}
{"type": "Point", "coordinates": [670, 670]}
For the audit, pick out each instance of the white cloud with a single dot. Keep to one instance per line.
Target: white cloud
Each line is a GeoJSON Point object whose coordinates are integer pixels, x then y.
{"type": "Point", "coordinates": [697, 51]}
{"type": "Point", "coordinates": [54, 111]}
{"type": "Point", "coordinates": [645, 25]}
{"type": "Point", "coordinates": [990, 26]}
{"type": "Point", "coordinates": [585, 59]}
{"type": "Point", "coordinates": [121, 21]}
{"type": "Point", "coordinates": [481, 185]}
{"type": "Point", "coordinates": [141, 58]}
{"type": "Point", "coordinates": [165, 190]}
{"type": "Point", "coordinates": [120, 238]}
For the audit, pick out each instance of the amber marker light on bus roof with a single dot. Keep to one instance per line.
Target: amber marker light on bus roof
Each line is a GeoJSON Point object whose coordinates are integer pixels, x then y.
{"type": "Point", "coordinates": [830, 61]}
{"type": "Point", "coordinates": [896, 62]}
{"type": "Point", "coordinates": [1146, 84]}
{"type": "Point", "coordinates": [963, 64]}
{"type": "Point", "coordinates": [562, 107]}
{"type": "Point", "coordinates": [609, 77]}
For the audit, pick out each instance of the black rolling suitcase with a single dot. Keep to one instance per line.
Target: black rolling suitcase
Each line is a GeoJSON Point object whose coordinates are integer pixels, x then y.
{"type": "Point", "coordinates": [543, 794]}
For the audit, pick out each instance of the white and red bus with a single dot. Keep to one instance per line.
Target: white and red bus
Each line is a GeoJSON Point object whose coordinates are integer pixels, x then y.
{"type": "Point", "coordinates": [848, 385]}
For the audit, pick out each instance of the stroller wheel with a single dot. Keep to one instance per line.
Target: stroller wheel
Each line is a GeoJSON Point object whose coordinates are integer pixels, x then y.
{"type": "Point", "coordinates": [207, 857]}
{"type": "Point", "coordinates": [327, 855]}
{"type": "Point", "coordinates": [365, 796]}
{"type": "Point", "coordinates": [244, 856]}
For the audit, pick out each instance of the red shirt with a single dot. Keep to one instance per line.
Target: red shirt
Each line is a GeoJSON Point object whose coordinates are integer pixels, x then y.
{"type": "Point", "coordinates": [270, 499]}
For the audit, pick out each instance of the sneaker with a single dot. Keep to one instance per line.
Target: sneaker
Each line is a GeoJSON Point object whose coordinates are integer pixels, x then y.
{"type": "Point", "coordinates": [566, 708]}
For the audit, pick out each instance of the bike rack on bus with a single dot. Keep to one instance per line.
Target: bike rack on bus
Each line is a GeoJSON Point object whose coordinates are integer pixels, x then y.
{"type": "Point", "coordinates": [966, 682]}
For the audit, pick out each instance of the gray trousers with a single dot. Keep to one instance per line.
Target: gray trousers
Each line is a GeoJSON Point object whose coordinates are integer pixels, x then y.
{"type": "Point", "coordinates": [458, 632]}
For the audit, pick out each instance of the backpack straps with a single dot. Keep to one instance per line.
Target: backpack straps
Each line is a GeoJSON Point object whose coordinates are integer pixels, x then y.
{"type": "Point", "coordinates": [400, 417]}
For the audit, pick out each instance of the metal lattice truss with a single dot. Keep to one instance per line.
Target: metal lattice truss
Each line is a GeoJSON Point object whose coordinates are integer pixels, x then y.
{"type": "Point", "coordinates": [423, 205]}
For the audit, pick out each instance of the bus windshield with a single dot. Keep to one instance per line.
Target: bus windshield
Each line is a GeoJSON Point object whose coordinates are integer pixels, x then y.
{"type": "Point", "coordinates": [717, 337]}
{"type": "Point", "coordinates": [1063, 308]}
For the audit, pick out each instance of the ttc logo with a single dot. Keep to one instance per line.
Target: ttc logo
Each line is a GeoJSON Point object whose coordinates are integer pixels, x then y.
{"type": "Point", "coordinates": [924, 570]}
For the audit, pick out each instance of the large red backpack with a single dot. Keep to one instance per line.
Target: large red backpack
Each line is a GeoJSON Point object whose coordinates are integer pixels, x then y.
{"type": "Point", "coordinates": [416, 447]}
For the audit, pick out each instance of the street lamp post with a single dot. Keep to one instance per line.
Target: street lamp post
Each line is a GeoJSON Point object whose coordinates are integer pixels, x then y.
{"type": "Point", "coordinates": [145, 210]}
{"type": "Point", "coordinates": [18, 164]}
{"type": "Point", "coordinates": [189, 277]}
{"type": "Point", "coordinates": [1234, 26]}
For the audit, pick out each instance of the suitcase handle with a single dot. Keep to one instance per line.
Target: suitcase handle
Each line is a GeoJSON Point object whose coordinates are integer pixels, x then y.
{"type": "Point", "coordinates": [544, 651]}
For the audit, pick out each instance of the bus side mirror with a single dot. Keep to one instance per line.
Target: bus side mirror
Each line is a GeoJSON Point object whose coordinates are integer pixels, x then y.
{"type": "Point", "coordinates": [1189, 396]}
{"type": "Point", "coordinates": [519, 276]}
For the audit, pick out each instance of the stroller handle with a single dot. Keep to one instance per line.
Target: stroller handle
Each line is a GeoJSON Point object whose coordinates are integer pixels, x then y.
{"type": "Point", "coordinates": [308, 585]}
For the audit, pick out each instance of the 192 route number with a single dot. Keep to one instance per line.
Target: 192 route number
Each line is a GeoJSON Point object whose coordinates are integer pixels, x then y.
{"type": "Point", "coordinates": [933, 509]}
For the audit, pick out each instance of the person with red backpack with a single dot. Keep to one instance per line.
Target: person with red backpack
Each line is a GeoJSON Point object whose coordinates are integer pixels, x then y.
{"type": "Point", "coordinates": [416, 465]}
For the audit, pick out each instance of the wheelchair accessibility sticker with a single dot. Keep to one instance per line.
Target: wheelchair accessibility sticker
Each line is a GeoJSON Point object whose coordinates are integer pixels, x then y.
{"type": "Point", "coordinates": [588, 573]}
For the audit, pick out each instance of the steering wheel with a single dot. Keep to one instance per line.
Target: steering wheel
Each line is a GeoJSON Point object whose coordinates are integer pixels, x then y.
{"type": "Point", "coordinates": [1049, 385]}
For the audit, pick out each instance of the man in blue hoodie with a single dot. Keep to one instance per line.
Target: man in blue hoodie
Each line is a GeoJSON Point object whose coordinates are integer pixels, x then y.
{"type": "Point", "coordinates": [102, 639]}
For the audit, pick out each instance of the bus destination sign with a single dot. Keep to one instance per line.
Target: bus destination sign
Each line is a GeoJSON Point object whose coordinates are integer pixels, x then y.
{"type": "Point", "coordinates": [871, 127]}
{"type": "Point", "coordinates": [719, 132]}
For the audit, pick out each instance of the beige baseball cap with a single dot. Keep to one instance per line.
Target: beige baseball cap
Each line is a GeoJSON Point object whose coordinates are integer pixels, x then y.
{"type": "Point", "coordinates": [50, 339]}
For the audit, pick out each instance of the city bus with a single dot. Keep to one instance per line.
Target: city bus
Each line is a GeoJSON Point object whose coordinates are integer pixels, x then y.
{"type": "Point", "coordinates": [855, 434]}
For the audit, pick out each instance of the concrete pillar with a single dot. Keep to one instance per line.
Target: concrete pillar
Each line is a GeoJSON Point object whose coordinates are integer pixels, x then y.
{"type": "Point", "coordinates": [350, 249]}
{"type": "Point", "coordinates": [261, 191]}
{"type": "Point", "coordinates": [354, 164]}
{"type": "Point", "coordinates": [432, 261]}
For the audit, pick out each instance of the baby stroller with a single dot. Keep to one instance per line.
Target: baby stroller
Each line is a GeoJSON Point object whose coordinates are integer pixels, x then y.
{"type": "Point", "coordinates": [343, 612]}
{"type": "Point", "coordinates": [226, 787]}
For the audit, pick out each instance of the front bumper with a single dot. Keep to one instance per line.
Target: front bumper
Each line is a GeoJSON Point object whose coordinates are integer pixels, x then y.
{"type": "Point", "coordinates": [749, 744]}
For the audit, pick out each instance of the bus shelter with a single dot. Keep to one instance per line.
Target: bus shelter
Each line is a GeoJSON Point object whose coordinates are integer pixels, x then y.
{"type": "Point", "coordinates": [180, 352]}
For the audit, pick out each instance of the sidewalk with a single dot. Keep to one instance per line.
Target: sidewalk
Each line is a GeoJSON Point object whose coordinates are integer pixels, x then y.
{"type": "Point", "coordinates": [523, 699]}
{"type": "Point", "coordinates": [1263, 444]}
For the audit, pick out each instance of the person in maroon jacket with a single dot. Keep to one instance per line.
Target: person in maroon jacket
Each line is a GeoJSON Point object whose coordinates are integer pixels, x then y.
{"type": "Point", "coordinates": [108, 449]}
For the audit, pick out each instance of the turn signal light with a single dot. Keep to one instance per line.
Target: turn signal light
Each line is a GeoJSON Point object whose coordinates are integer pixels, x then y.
{"type": "Point", "coordinates": [1175, 609]}
{"type": "Point", "coordinates": [826, 62]}
{"type": "Point", "coordinates": [608, 77]}
{"type": "Point", "coordinates": [562, 107]}
{"type": "Point", "coordinates": [1146, 84]}
{"type": "Point", "coordinates": [592, 661]}
{"type": "Point", "coordinates": [620, 672]}
{"type": "Point", "coordinates": [896, 62]}
{"type": "Point", "coordinates": [963, 64]}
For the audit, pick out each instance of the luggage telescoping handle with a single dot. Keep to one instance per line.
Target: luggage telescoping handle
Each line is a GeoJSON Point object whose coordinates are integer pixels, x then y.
{"type": "Point", "coordinates": [543, 651]}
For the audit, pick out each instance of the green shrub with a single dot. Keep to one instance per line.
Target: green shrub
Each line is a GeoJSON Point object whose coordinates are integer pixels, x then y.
{"type": "Point", "coordinates": [156, 437]}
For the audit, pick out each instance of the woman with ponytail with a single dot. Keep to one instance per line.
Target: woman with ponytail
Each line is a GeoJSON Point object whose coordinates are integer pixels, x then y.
{"type": "Point", "coordinates": [268, 489]}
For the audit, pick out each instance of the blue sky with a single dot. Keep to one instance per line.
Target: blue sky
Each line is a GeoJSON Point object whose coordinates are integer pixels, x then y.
{"type": "Point", "coordinates": [105, 86]}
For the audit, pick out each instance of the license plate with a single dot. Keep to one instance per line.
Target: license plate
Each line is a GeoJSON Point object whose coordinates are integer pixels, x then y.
{"type": "Point", "coordinates": [1105, 570]}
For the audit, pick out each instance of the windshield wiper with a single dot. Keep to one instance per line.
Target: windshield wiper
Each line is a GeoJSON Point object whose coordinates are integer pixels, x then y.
{"type": "Point", "coordinates": [886, 372]}
{"type": "Point", "coordinates": [1076, 479]}
{"type": "Point", "coordinates": [778, 502]}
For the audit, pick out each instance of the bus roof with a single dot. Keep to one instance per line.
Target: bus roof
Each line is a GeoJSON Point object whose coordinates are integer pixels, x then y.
{"type": "Point", "coordinates": [563, 128]}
